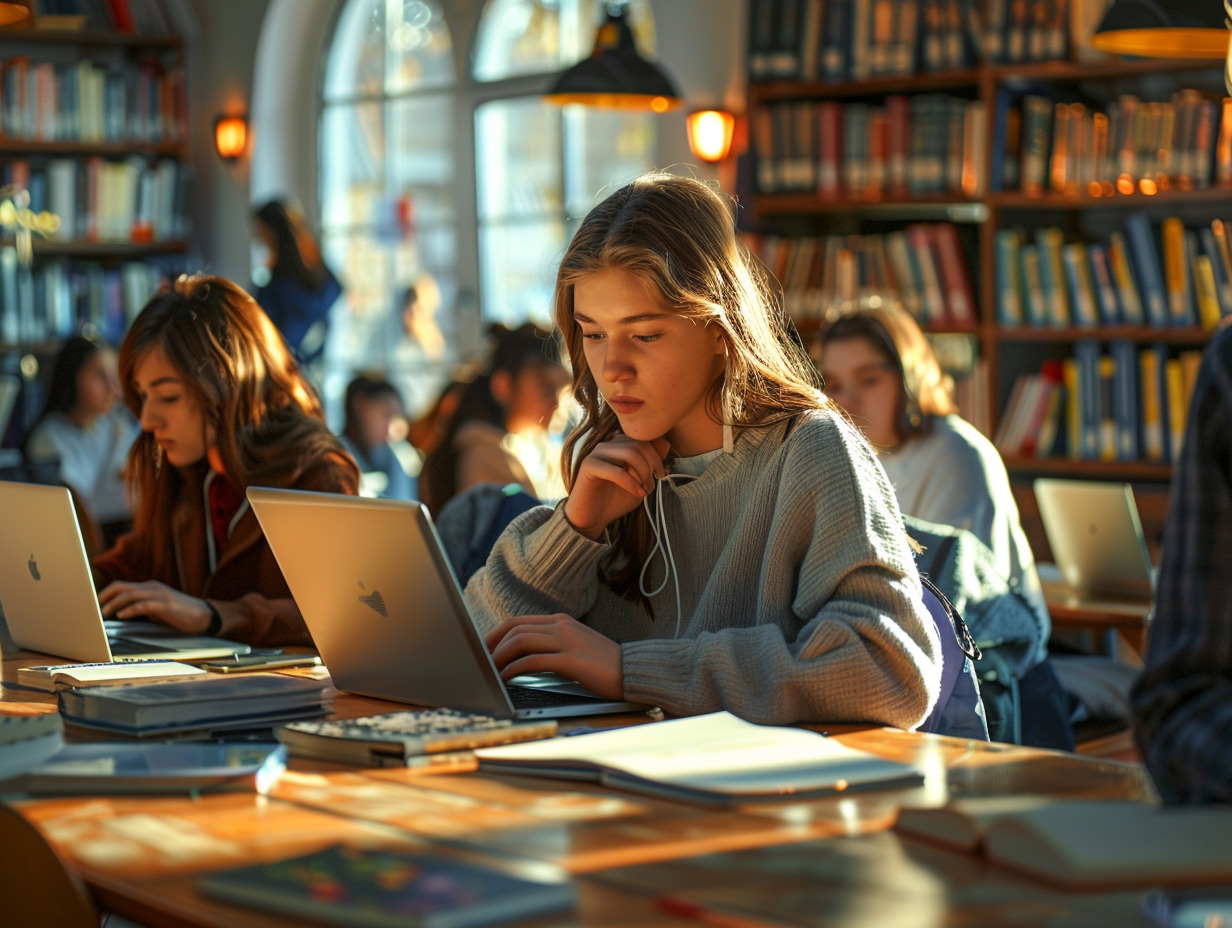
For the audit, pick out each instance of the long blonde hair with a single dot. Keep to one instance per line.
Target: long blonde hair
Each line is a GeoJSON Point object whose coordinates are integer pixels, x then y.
{"type": "Point", "coordinates": [677, 235]}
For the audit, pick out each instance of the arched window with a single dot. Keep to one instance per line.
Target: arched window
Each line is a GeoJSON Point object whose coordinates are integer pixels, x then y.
{"type": "Point", "coordinates": [539, 167]}
{"type": "Point", "coordinates": [389, 223]}
{"type": "Point", "coordinates": [397, 183]}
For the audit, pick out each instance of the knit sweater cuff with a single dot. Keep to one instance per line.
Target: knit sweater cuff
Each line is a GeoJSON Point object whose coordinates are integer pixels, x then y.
{"type": "Point", "coordinates": [656, 672]}
{"type": "Point", "coordinates": [564, 558]}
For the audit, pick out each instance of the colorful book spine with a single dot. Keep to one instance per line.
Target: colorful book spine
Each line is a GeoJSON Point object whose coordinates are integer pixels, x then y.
{"type": "Point", "coordinates": [1049, 241]}
{"type": "Point", "coordinates": [1009, 277]}
{"type": "Point", "coordinates": [1129, 298]}
{"type": "Point", "coordinates": [1105, 290]}
{"type": "Point", "coordinates": [1079, 286]}
{"type": "Point", "coordinates": [1125, 397]}
{"type": "Point", "coordinates": [1153, 440]}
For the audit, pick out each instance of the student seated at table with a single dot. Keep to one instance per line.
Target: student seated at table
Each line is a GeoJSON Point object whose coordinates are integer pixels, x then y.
{"type": "Point", "coordinates": [498, 430]}
{"type": "Point", "coordinates": [85, 431]}
{"type": "Point", "coordinates": [222, 406]}
{"type": "Point", "coordinates": [878, 366]}
{"type": "Point", "coordinates": [373, 415]}
{"type": "Point", "coordinates": [729, 540]}
{"type": "Point", "coordinates": [1182, 702]}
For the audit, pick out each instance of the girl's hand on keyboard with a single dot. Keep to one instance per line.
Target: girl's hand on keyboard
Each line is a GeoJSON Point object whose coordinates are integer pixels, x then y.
{"type": "Point", "coordinates": [561, 644]}
{"type": "Point", "coordinates": [121, 599]}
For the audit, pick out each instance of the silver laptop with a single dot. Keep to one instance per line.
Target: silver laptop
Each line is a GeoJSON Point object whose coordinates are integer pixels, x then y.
{"type": "Point", "coordinates": [47, 590]}
{"type": "Point", "coordinates": [384, 607]}
{"type": "Point", "coordinates": [1095, 535]}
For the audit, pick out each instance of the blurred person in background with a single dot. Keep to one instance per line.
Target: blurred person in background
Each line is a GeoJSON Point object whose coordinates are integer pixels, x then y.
{"type": "Point", "coordinates": [87, 432]}
{"type": "Point", "coordinates": [299, 289]}
{"type": "Point", "coordinates": [375, 435]}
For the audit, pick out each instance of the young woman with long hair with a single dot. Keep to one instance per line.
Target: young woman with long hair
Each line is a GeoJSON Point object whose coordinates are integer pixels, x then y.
{"type": "Point", "coordinates": [222, 407]}
{"type": "Point", "coordinates": [729, 540]}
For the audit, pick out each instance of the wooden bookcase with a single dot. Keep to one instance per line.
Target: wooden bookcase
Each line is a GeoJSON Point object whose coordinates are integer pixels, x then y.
{"type": "Point", "coordinates": [1010, 351]}
{"type": "Point", "coordinates": [102, 270]}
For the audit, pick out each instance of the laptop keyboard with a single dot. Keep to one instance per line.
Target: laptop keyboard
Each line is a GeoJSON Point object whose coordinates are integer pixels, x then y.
{"type": "Point", "coordinates": [530, 697]}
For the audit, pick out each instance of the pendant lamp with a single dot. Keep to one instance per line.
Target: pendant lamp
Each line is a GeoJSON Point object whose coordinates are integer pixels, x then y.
{"type": "Point", "coordinates": [12, 13]}
{"type": "Point", "coordinates": [615, 76]}
{"type": "Point", "coordinates": [1163, 29]}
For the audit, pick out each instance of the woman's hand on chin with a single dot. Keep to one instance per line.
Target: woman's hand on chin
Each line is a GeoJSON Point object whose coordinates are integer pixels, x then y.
{"type": "Point", "coordinates": [121, 599]}
{"type": "Point", "coordinates": [560, 644]}
{"type": "Point", "coordinates": [612, 481]}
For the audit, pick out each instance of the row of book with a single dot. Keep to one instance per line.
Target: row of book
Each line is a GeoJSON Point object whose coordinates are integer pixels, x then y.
{"type": "Point", "coordinates": [923, 266]}
{"type": "Point", "coordinates": [1046, 145]}
{"type": "Point", "coordinates": [1122, 402]}
{"type": "Point", "coordinates": [145, 17]}
{"type": "Point", "coordinates": [135, 200]}
{"type": "Point", "coordinates": [854, 40]}
{"type": "Point", "coordinates": [60, 298]}
{"type": "Point", "coordinates": [1172, 276]}
{"type": "Point", "coordinates": [85, 101]}
{"type": "Point", "coordinates": [923, 145]}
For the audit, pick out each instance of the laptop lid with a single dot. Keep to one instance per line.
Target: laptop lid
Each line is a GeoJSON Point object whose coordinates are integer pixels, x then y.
{"type": "Point", "coordinates": [1095, 535]}
{"type": "Point", "coordinates": [47, 588]}
{"type": "Point", "coordinates": [383, 605]}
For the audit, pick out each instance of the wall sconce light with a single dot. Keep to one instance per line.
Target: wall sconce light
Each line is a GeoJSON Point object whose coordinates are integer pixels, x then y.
{"type": "Point", "coordinates": [710, 134]}
{"type": "Point", "coordinates": [230, 136]}
{"type": "Point", "coordinates": [12, 13]}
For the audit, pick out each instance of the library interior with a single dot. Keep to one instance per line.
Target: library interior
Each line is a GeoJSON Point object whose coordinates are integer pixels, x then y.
{"type": "Point", "coordinates": [372, 551]}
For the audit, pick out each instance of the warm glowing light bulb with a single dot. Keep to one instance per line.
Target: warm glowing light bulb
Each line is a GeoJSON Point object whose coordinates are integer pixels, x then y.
{"type": "Point", "coordinates": [710, 134]}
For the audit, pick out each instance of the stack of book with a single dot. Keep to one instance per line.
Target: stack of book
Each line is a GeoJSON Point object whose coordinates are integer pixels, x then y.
{"type": "Point", "coordinates": [200, 704]}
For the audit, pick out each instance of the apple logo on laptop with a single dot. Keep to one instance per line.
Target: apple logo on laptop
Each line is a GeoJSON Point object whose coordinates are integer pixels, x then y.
{"type": "Point", "coordinates": [375, 602]}
{"type": "Point", "coordinates": [33, 565]}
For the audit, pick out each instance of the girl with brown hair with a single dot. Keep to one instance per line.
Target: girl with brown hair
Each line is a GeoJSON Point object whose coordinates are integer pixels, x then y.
{"type": "Point", "coordinates": [877, 364]}
{"type": "Point", "coordinates": [729, 540]}
{"type": "Point", "coordinates": [222, 406]}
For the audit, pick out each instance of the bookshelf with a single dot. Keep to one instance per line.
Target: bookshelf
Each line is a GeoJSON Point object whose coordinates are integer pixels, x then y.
{"type": "Point", "coordinates": [982, 206]}
{"type": "Point", "coordinates": [94, 127]}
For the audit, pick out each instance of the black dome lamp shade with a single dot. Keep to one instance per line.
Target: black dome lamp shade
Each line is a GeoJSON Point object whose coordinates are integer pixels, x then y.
{"type": "Point", "coordinates": [615, 76]}
{"type": "Point", "coordinates": [1163, 29]}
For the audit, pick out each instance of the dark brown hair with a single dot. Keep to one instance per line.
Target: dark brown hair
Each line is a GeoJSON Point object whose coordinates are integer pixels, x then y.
{"type": "Point", "coordinates": [237, 369]}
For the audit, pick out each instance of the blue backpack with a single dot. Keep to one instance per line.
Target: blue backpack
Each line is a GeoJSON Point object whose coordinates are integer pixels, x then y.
{"type": "Point", "coordinates": [959, 711]}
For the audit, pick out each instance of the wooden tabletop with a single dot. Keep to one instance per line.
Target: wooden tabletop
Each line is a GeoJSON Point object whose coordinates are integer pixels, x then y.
{"type": "Point", "coordinates": [139, 856]}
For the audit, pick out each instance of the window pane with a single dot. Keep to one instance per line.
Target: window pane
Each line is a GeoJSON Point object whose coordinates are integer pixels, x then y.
{"type": "Point", "coordinates": [517, 159]}
{"type": "Point", "coordinates": [388, 46]}
{"type": "Point", "coordinates": [518, 261]}
{"type": "Point", "coordinates": [518, 37]}
{"type": "Point", "coordinates": [420, 163]}
{"type": "Point", "coordinates": [352, 164]}
{"type": "Point", "coordinates": [603, 149]}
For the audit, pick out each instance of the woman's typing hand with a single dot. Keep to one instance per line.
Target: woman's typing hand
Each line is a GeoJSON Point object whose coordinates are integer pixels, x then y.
{"type": "Point", "coordinates": [612, 481]}
{"type": "Point", "coordinates": [560, 644]}
{"type": "Point", "coordinates": [121, 599]}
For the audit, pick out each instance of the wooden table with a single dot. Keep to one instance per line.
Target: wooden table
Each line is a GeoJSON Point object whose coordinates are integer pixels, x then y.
{"type": "Point", "coordinates": [834, 858]}
{"type": "Point", "coordinates": [1109, 616]}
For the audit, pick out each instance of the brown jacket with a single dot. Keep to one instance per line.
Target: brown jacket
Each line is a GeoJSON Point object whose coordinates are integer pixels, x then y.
{"type": "Point", "coordinates": [247, 587]}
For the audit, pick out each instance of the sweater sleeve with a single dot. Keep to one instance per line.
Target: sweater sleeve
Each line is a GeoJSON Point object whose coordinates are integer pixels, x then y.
{"type": "Point", "coordinates": [540, 565]}
{"type": "Point", "coordinates": [866, 649]}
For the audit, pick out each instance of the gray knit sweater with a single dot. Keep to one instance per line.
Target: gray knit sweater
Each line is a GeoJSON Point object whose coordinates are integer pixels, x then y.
{"type": "Point", "coordinates": [800, 598]}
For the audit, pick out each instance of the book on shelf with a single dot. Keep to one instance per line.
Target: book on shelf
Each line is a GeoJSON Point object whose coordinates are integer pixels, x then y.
{"type": "Point", "coordinates": [53, 677]}
{"type": "Point", "coordinates": [214, 702]}
{"type": "Point", "coordinates": [387, 888]}
{"type": "Point", "coordinates": [395, 738]}
{"type": "Point", "coordinates": [106, 768]}
{"type": "Point", "coordinates": [1084, 845]}
{"type": "Point", "coordinates": [715, 759]}
{"type": "Point", "coordinates": [1151, 362]}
